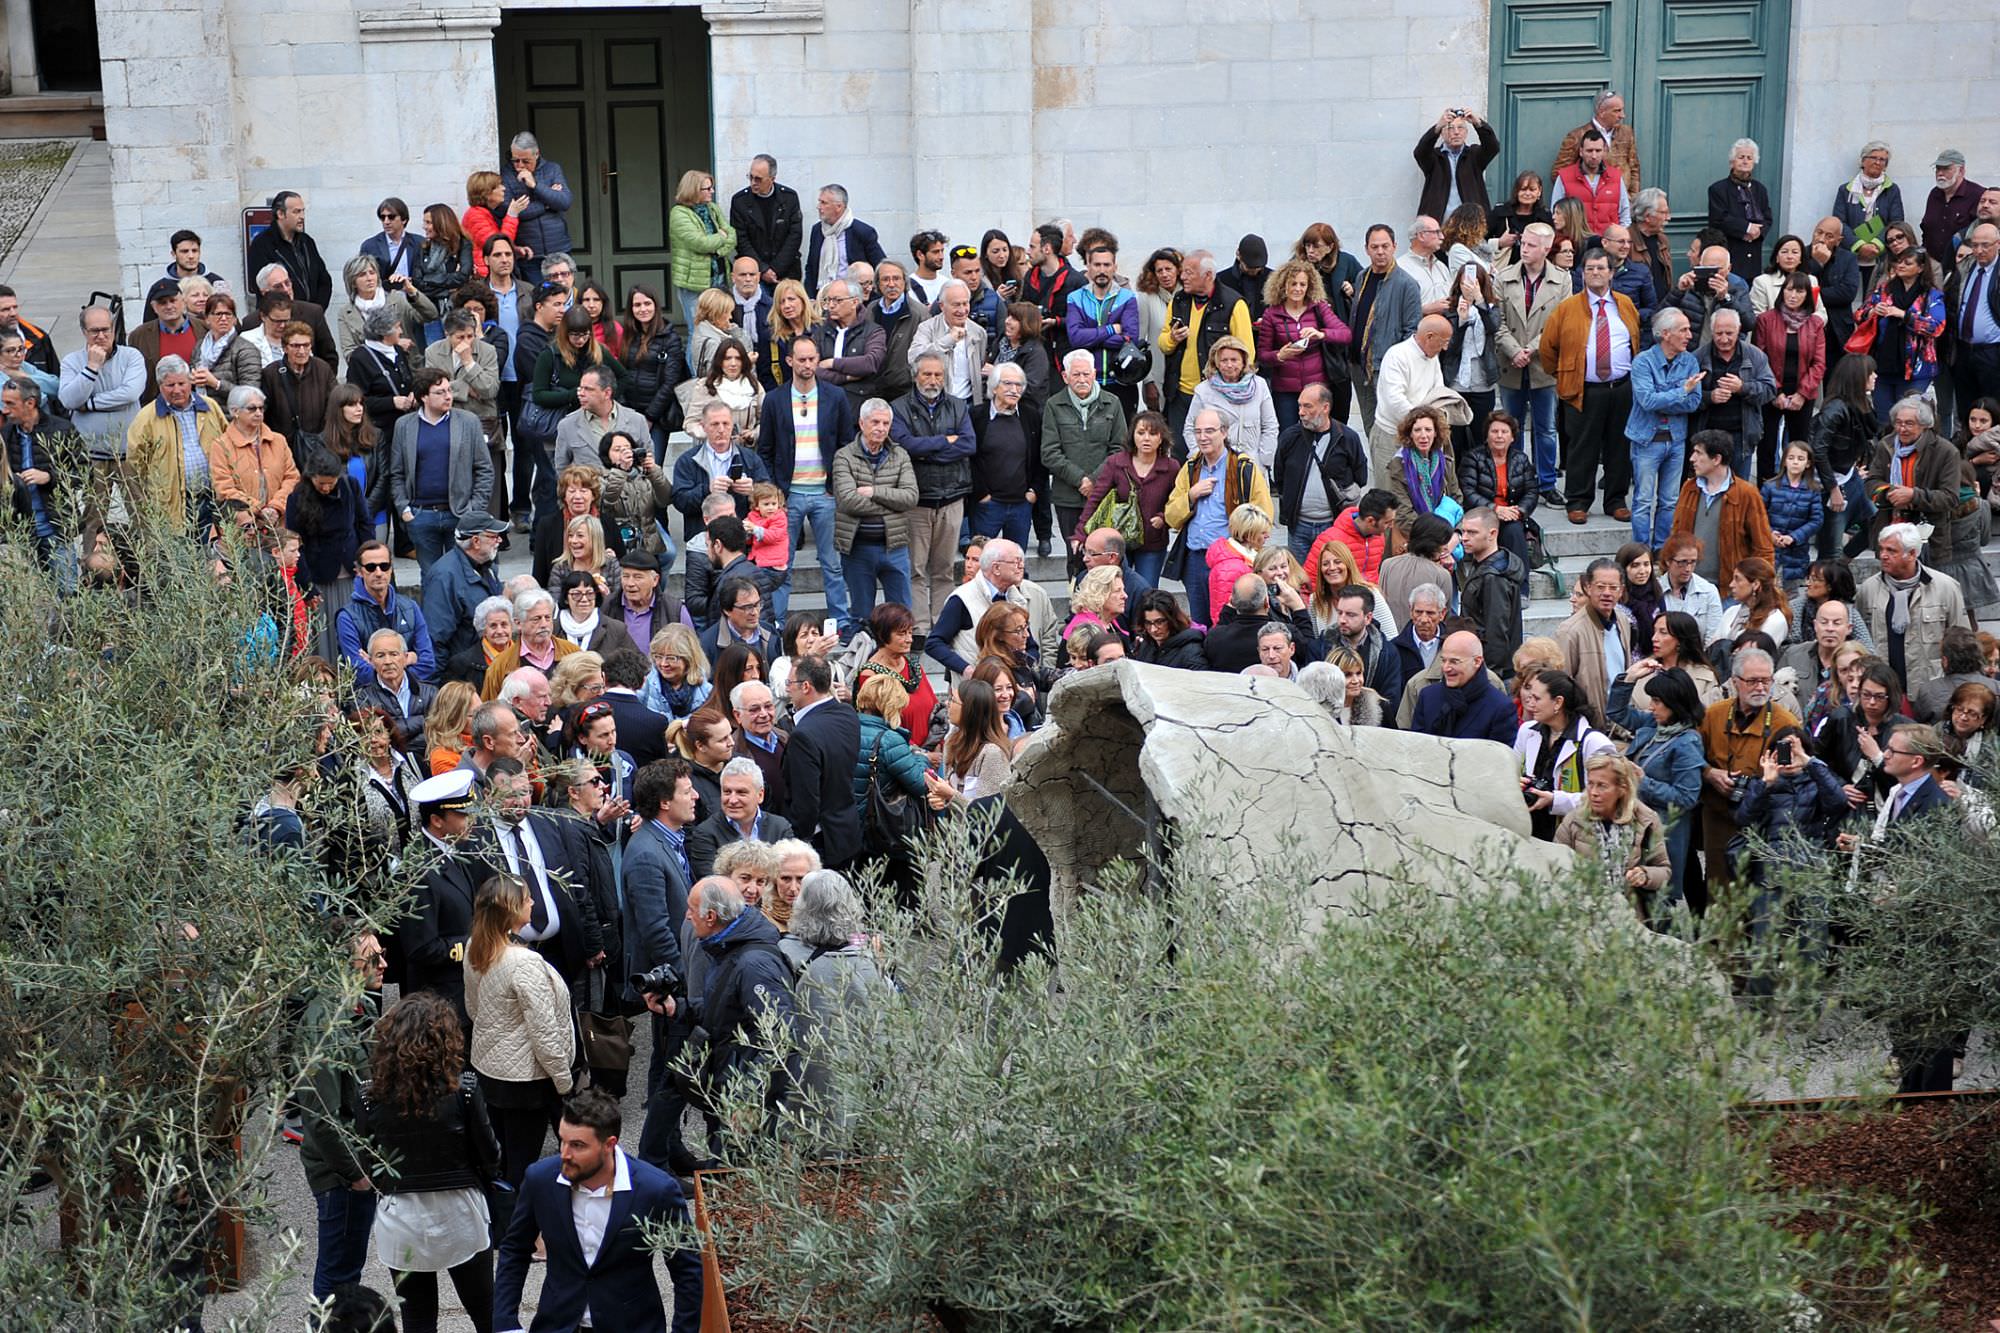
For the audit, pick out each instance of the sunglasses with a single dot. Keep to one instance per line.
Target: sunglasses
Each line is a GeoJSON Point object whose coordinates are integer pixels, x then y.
{"type": "Point", "coordinates": [376, 566]}
{"type": "Point", "coordinates": [964, 252]}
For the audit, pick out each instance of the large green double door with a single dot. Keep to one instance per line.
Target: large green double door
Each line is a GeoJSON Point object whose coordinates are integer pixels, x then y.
{"type": "Point", "coordinates": [1697, 75]}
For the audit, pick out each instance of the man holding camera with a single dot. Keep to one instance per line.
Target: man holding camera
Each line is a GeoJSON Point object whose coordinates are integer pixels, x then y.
{"type": "Point", "coordinates": [1734, 733]}
{"type": "Point", "coordinates": [656, 877]}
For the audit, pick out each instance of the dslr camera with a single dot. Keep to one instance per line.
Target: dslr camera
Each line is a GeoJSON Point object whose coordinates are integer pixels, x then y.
{"type": "Point", "coordinates": [661, 981]}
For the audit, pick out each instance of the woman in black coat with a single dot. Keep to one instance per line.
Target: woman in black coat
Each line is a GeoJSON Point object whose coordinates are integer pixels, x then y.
{"type": "Point", "coordinates": [655, 364]}
{"type": "Point", "coordinates": [385, 381]}
{"type": "Point", "coordinates": [1738, 202]}
{"type": "Point", "coordinates": [1166, 637]}
{"type": "Point", "coordinates": [1479, 479]}
{"type": "Point", "coordinates": [328, 513]}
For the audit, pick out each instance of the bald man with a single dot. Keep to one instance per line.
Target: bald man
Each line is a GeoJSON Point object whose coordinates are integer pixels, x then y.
{"type": "Point", "coordinates": [1411, 376]}
{"type": "Point", "coordinates": [1466, 705]}
{"type": "Point", "coordinates": [1708, 287]}
{"type": "Point", "coordinates": [1832, 261]}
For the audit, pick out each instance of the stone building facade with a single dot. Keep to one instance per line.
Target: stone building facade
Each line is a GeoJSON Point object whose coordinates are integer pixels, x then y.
{"type": "Point", "coordinates": [1168, 121]}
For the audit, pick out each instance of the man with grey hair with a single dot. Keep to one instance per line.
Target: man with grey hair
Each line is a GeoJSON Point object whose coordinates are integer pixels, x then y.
{"type": "Point", "coordinates": [837, 240]}
{"type": "Point", "coordinates": [1607, 117]}
{"type": "Point", "coordinates": [1972, 308]}
{"type": "Point", "coordinates": [1908, 606]}
{"type": "Point", "coordinates": [1733, 736]}
{"type": "Point", "coordinates": [1003, 577]}
{"type": "Point", "coordinates": [170, 447]}
{"type": "Point", "coordinates": [1007, 434]}
{"type": "Point", "coordinates": [1527, 293]}
{"type": "Point", "coordinates": [1201, 312]}
{"type": "Point", "coordinates": [741, 816]}
{"type": "Point", "coordinates": [1736, 384]}
{"type": "Point", "coordinates": [717, 466]}
{"type": "Point", "coordinates": [598, 414]}
{"type": "Point", "coordinates": [1720, 290]}
{"type": "Point", "coordinates": [1666, 391]}
{"type": "Point", "coordinates": [754, 708]}
{"type": "Point", "coordinates": [1740, 208]}
{"type": "Point", "coordinates": [1421, 262]}
{"type": "Point", "coordinates": [934, 427]}
{"type": "Point", "coordinates": [40, 448]}
{"type": "Point", "coordinates": [1913, 475]}
{"type": "Point", "coordinates": [393, 688]}
{"type": "Point", "coordinates": [1650, 215]}
{"type": "Point", "coordinates": [1417, 642]}
{"type": "Point", "coordinates": [852, 348]}
{"type": "Point", "coordinates": [1950, 206]}
{"type": "Point", "coordinates": [462, 578]}
{"type": "Point", "coordinates": [542, 231]}
{"type": "Point", "coordinates": [526, 690]}
{"type": "Point", "coordinates": [958, 340]}
{"type": "Point", "coordinates": [101, 383]}
{"type": "Point", "coordinates": [439, 468]}
{"type": "Point", "coordinates": [769, 223]}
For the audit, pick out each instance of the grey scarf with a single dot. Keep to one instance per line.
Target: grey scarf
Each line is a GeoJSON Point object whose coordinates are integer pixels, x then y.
{"type": "Point", "coordinates": [1899, 600]}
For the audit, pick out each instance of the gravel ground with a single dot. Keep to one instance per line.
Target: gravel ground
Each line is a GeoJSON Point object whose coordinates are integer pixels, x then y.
{"type": "Point", "coordinates": [29, 168]}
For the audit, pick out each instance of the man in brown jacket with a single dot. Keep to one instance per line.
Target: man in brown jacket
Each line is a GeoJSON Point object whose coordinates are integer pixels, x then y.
{"type": "Point", "coordinates": [1608, 118]}
{"type": "Point", "coordinates": [1734, 733]}
{"type": "Point", "coordinates": [1722, 511]}
{"type": "Point", "coordinates": [1588, 345]}
{"type": "Point", "coordinates": [1597, 642]}
{"type": "Point", "coordinates": [1914, 475]}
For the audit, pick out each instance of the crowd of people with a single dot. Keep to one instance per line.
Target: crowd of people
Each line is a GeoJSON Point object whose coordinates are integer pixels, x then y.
{"type": "Point", "coordinates": [629, 802]}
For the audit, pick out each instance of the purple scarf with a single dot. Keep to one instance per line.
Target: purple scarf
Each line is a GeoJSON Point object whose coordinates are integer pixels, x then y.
{"type": "Point", "coordinates": [1424, 484]}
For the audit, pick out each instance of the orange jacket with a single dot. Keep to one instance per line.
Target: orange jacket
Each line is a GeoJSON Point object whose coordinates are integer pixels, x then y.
{"type": "Point", "coordinates": [1566, 337]}
{"type": "Point", "coordinates": [259, 474]}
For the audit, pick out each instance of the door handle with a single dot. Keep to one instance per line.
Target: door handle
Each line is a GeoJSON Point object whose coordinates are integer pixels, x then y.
{"type": "Point", "coordinates": [604, 175]}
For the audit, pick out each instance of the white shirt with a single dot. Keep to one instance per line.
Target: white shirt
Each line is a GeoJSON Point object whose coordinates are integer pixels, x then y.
{"type": "Point", "coordinates": [1433, 275]}
{"type": "Point", "coordinates": [270, 350]}
{"type": "Point", "coordinates": [959, 370]}
{"type": "Point", "coordinates": [1621, 340]}
{"type": "Point", "coordinates": [590, 1210]}
{"type": "Point", "coordinates": [513, 839]}
{"type": "Point", "coordinates": [800, 716]}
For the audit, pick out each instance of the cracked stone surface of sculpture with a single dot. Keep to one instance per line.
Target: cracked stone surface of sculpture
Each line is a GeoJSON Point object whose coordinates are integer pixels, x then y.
{"type": "Point", "coordinates": [1275, 779]}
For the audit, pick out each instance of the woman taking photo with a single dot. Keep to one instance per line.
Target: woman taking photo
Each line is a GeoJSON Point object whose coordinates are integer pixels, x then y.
{"type": "Point", "coordinates": [430, 1138]}
{"type": "Point", "coordinates": [1793, 338]}
{"type": "Point", "coordinates": [894, 630]}
{"type": "Point", "coordinates": [1296, 325]}
{"type": "Point", "coordinates": [1421, 474]}
{"type": "Point", "coordinates": [1908, 310]}
{"type": "Point", "coordinates": [1495, 473]}
{"type": "Point", "coordinates": [655, 363]}
{"type": "Point", "coordinates": [1141, 474]}
{"type": "Point", "coordinates": [1469, 362]}
{"type": "Point", "coordinates": [1676, 646]}
{"type": "Point", "coordinates": [1166, 637]}
{"type": "Point", "coordinates": [1243, 399]}
{"type": "Point", "coordinates": [802, 636]}
{"type": "Point", "coordinates": [1612, 828]}
{"type": "Point", "coordinates": [332, 521]}
{"type": "Point", "coordinates": [638, 495]}
{"type": "Point", "coordinates": [523, 1041]}
{"type": "Point", "coordinates": [1667, 747]}
{"type": "Point", "coordinates": [1551, 747]}
{"type": "Point", "coordinates": [701, 242]}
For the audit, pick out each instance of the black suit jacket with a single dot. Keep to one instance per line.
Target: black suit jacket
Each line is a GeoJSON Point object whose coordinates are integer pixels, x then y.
{"type": "Point", "coordinates": [819, 765]}
{"type": "Point", "coordinates": [711, 835]}
{"type": "Point", "coordinates": [1725, 214]}
{"type": "Point", "coordinates": [570, 885]}
{"type": "Point", "coordinates": [1954, 300]}
{"type": "Point", "coordinates": [440, 923]}
{"type": "Point", "coordinates": [642, 733]}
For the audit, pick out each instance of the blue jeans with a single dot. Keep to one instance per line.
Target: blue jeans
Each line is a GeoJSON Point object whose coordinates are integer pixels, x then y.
{"type": "Point", "coordinates": [818, 506]}
{"type": "Point", "coordinates": [1011, 519]}
{"type": "Point", "coordinates": [1147, 565]}
{"type": "Point", "coordinates": [866, 563]}
{"type": "Point", "coordinates": [1656, 486]}
{"type": "Point", "coordinates": [431, 532]}
{"type": "Point", "coordinates": [1286, 405]}
{"type": "Point", "coordinates": [1832, 535]}
{"type": "Point", "coordinates": [687, 300]}
{"type": "Point", "coordinates": [345, 1218]}
{"type": "Point", "coordinates": [1196, 583]}
{"type": "Point", "coordinates": [1538, 405]}
{"type": "Point", "coordinates": [1300, 538]}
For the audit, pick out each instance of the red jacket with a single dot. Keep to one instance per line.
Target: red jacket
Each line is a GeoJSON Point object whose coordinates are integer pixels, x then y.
{"type": "Point", "coordinates": [1367, 551]}
{"type": "Point", "coordinates": [1768, 336]}
{"type": "Point", "coordinates": [1599, 205]}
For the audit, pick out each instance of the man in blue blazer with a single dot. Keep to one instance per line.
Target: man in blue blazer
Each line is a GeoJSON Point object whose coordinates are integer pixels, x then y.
{"type": "Point", "coordinates": [805, 480]}
{"type": "Point", "coordinates": [656, 879]}
{"type": "Point", "coordinates": [844, 238]}
{"type": "Point", "coordinates": [590, 1205]}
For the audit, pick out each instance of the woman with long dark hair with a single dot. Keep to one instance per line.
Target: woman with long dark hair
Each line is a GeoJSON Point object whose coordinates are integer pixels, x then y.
{"type": "Point", "coordinates": [351, 436]}
{"type": "Point", "coordinates": [1469, 362]}
{"type": "Point", "coordinates": [432, 1152]}
{"type": "Point", "coordinates": [978, 759]}
{"type": "Point", "coordinates": [444, 262]}
{"type": "Point", "coordinates": [655, 362]}
{"type": "Point", "coordinates": [1909, 315]}
{"type": "Point", "coordinates": [1511, 216]}
{"type": "Point", "coordinates": [1644, 596]}
{"type": "Point", "coordinates": [1843, 437]}
{"type": "Point", "coordinates": [1666, 745]}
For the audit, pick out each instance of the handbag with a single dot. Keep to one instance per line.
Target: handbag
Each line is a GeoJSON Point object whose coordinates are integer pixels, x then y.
{"type": "Point", "coordinates": [890, 814]}
{"type": "Point", "coordinates": [1862, 340]}
{"type": "Point", "coordinates": [1111, 512]}
{"type": "Point", "coordinates": [539, 423]}
{"type": "Point", "coordinates": [605, 1038]}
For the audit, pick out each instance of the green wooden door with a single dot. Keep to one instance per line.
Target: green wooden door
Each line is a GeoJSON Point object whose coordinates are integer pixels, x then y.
{"type": "Point", "coordinates": [620, 99]}
{"type": "Point", "coordinates": [1696, 76]}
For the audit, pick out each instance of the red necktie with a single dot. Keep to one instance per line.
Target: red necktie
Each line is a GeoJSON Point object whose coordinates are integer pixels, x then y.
{"type": "Point", "coordinates": [1603, 334]}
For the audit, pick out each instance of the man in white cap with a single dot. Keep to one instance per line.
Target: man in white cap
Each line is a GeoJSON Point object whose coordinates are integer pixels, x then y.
{"type": "Point", "coordinates": [431, 939]}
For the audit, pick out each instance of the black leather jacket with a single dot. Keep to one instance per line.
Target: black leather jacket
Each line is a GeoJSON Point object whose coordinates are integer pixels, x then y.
{"type": "Point", "coordinates": [452, 1148]}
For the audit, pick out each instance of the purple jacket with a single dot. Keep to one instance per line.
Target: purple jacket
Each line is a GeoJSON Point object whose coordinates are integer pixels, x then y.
{"type": "Point", "coordinates": [1100, 328]}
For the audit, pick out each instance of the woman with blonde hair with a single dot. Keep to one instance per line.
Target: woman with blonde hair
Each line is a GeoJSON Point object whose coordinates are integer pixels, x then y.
{"type": "Point", "coordinates": [1292, 334]}
{"type": "Point", "coordinates": [585, 552]}
{"type": "Point", "coordinates": [1364, 706]}
{"type": "Point", "coordinates": [701, 242]}
{"type": "Point", "coordinates": [1533, 657]}
{"type": "Point", "coordinates": [1230, 559]}
{"type": "Point", "coordinates": [714, 324]}
{"type": "Point", "coordinates": [678, 683]}
{"type": "Point", "coordinates": [448, 725]}
{"type": "Point", "coordinates": [1337, 569]}
{"type": "Point", "coordinates": [367, 292]}
{"type": "Point", "coordinates": [1099, 600]}
{"type": "Point", "coordinates": [577, 679]}
{"type": "Point", "coordinates": [1276, 564]}
{"type": "Point", "coordinates": [792, 317]}
{"type": "Point", "coordinates": [1229, 386]}
{"type": "Point", "coordinates": [523, 1040]}
{"type": "Point", "coordinates": [1612, 829]}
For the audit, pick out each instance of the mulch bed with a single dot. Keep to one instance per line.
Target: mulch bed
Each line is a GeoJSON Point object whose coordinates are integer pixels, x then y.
{"type": "Point", "coordinates": [1946, 1155]}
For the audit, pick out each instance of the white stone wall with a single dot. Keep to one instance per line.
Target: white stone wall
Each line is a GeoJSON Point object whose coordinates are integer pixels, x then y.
{"type": "Point", "coordinates": [1920, 76]}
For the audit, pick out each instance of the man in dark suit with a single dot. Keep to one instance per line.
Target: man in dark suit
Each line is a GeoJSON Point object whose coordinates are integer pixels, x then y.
{"type": "Point", "coordinates": [430, 941]}
{"type": "Point", "coordinates": [589, 1207]}
{"type": "Point", "coordinates": [831, 418]}
{"type": "Point", "coordinates": [1972, 311]}
{"type": "Point", "coordinates": [1417, 643]}
{"type": "Point", "coordinates": [819, 764]}
{"type": "Point", "coordinates": [755, 709]}
{"type": "Point", "coordinates": [741, 818]}
{"type": "Point", "coordinates": [768, 222]}
{"type": "Point", "coordinates": [656, 879]}
{"type": "Point", "coordinates": [642, 733]}
{"type": "Point", "coordinates": [531, 849]}
{"type": "Point", "coordinates": [838, 239]}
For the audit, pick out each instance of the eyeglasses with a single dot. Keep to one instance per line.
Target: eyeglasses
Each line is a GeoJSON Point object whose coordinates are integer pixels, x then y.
{"type": "Point", "coordinates": [1873, 696]}
{"type": "Point", "coordinates": [376, 566]}
{"type": "Point", "coordinates": [1684, 561]}
{"type": "Point", "coordinates": [1755, 682]}
{"type": "Point", "coordinates": [664, 658]}
{"type": "Point", "coordinates": [1908, 754]}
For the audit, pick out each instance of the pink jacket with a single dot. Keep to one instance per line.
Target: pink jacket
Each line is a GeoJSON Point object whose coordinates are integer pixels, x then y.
{"type": "Point", "coordinates": [1276, 328]}
{"type": "Point", "coordinates": [1226, 564]}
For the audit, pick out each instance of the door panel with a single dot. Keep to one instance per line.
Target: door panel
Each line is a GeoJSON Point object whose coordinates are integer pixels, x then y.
{"type": "Point", "coordinates": [1696, 74]}
{"type": "Point", "coordinates": [620, 98]}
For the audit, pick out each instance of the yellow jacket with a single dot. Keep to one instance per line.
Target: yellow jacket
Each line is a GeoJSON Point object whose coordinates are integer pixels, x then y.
{"type": "Point", "coordinates": [153, 455]}
{"type": "Point", "coordinates": [1234, 489]}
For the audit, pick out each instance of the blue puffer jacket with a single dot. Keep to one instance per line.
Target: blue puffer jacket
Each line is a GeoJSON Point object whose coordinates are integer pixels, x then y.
{"type": "Point", "coordinates": [900, 759]}
{"type": "Point", "coordinates": [1796, 511]}
{"type": "Point", "coordinates": [1798, 815]}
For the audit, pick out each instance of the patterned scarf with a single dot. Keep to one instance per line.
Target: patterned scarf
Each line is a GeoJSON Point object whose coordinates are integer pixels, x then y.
{"type": "Point", "coordinates": [1862, 191]}
{"type": "Point", "coordinates": [1238, 394]}
{"type": "Point", "coordinates": [1423, 475]}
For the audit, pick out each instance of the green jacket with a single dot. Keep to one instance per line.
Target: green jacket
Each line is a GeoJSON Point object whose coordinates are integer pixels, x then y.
{"type": "Point", "coordinates": [1074, 448]}
{"type": "Point", "coordinates": [331, 1099]}
{"type": "Point", "coordinates": [693, 245]}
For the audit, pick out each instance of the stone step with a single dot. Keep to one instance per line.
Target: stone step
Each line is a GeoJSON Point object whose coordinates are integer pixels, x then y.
{"type": "Point", "coordinates": [1600, 536]}
{"type": "Point", "coordinates": [52, 116]}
